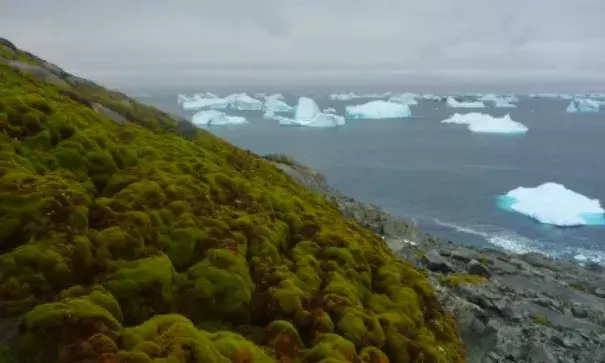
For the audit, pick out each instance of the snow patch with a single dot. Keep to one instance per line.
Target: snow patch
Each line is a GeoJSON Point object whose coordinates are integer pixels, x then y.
{"type": "Point", "coordinates": [552, 203]}
{"type": "Point", "coordinates": [483, 123]}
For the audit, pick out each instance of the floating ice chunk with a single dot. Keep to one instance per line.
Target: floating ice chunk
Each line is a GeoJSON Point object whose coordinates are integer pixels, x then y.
{"type": "Point", "coordinates": [329, 110]}
{"type": "Point", "coordinates": [351, 96]}
{"type": "Point", "coordinates": [276, 105]}
{"type": "Point", "coordinates": [431, 97]}
{"type": "Point", "coordinates": [276, 96]}
{"type": "Point", "coordinates": [198, 103]}
{"type": "Point", "coordinates": [552, 203]}
{"type": "Point", "coordinates": [379, 109]}
{"type": "Point", "coordinates": [452, 102]}
{"type": "Point", "coordinates": [504, 103]}
{"type": "Point", "coordinates": [308, 114]}
{"type": "Point", "coordinates": [213, 117]}
{"type": "Point", "coordinates": [342, 96]}
{"type": "Point", "coordinates": [480, 122]}
{"type": "Point", "coordinates": [563, 96]}
{"type": "Point", "coordinates": [405, 98]}
{"type": "Point", "coordinates": [243, 102]}
{"type": "Point", "coordinates": [583, 105]}
{"type": "Point", "coordinates": [260, 95]}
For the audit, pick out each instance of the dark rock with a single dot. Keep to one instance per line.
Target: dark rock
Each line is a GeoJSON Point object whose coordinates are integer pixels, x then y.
{"type": "Point", "coordinates": [435, 262]}
{"type": "Point", "coordinates": [477, 268]}
{"type": "Point", "coordinates": [8, 44]}
{"type": "Point", "coordinates": [599, 292]}
{"type": "Point", "coordinates": [39, 73]}
{"type": "Point", "coordinates": [109, 113]}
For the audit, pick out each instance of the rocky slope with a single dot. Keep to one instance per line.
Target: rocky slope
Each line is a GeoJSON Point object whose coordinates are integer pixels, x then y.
{"type": "Point", "coordinates": [509, 308]}
{"type": "Point", "coordinates": [121, 240]}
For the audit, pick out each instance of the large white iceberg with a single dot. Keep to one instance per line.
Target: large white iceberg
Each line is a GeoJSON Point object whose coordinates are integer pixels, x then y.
{"type": "Point", "coordinates": [452, 102]}
{"type": "Point", "coordinates": [213, 118]}
{"type": "Point", "coordinates": [379, 109]}
{"type": "Point", "coordinates": [276, 105]}
{"type": "Point", "coordinates": [483, 123]}
{"type": "Point", "coordinates": [552, 203]}
{"type": "Point", "coordinates": [583, 105]}
{"type": "Point", "coordinates": [405, 98]}
{"type": "Point", "coordinates": [308, 114]}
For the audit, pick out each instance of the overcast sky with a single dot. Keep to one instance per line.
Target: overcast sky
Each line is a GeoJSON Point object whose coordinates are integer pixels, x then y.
{"type": "Point", "coordinates": [302, 40]}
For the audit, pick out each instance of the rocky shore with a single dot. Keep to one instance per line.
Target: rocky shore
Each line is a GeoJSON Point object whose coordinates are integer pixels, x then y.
{"type": "Point", "coordinates": [509, 307]}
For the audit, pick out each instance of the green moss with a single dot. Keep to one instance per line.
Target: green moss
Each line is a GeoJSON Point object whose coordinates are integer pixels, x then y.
{"type": "Point", "coordinates": [461, 279]}
{"type": "Point", "coordinates": [541, 319]}
{"type": "Point", "coordinates": [174, 220]}
{"type": "Point", "coordinates": [143, 288]}
{"type": "Point", "coordinates": [77, 322]}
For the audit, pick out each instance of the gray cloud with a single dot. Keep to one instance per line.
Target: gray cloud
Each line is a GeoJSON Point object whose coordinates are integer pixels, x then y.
{"type": "Point", "coordinates": [292, 40]}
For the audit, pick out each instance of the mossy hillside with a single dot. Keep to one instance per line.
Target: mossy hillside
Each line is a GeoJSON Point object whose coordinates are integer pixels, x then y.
{"type": "Point", "coordinates": [143, 238]}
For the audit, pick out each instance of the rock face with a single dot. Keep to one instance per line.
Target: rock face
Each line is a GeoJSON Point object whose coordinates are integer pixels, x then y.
{"type": "Point", "coordinates": [523, 308]}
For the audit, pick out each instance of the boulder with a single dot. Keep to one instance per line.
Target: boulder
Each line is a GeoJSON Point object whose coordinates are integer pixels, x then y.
{"type": "Point", "coordinates": [435, 262]}
{"type": "Point", "coordinates": [477, 268]}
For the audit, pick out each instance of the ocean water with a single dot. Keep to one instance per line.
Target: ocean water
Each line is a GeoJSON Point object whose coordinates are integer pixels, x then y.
{"type": "Point", "coordinates": [444, 177]}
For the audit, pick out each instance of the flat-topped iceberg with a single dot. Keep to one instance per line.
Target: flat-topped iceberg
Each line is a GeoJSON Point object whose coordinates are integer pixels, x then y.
{"type": "Point", "coordinates": [198, 102]}
{"type": "Point", "coordinates": [554, 204]}
{"type": "Point", "coordinates": [308, 114]}
{"type": "Point", "coordinates": [583, 105]}
{"type": "Point", "coordinates": [483, 123]}
{"type": "Point", "coordinates": [351, 96]}
{"type": "Point", "coordinates": [379, 109]}
{"type": "Point", "coordinates": [276, 105]}
{"type": "Point", "coordinates": [214, 118]}
{"type": "Point", "coordinates": [452, 102]}
{"type": "Point", "coordinates": [405, 98]}
{"type": "Point", "coordinates": [209, 101]}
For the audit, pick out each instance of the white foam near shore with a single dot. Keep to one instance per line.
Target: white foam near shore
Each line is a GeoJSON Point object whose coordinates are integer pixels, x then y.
{"type": "Point", "coordinates": [554, 204]}
{"type": "Point", "coordinates": [483, 123]}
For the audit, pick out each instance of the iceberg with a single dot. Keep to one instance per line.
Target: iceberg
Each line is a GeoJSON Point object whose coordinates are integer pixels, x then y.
{"type": "Point", "coordinates": [583, 105]}
{"type": "Point", "coordinates": [213, 117]}
{"type": "Point", "coordinates": [197, 103]}
{"type": "Point", "coordinates": [276, 105]}
{"type": "Point", "coordinates": [405, 98]}
{"type": "Point", "coordinates": [480, 122]}
{"type": "Point", "coordinates": [275, 96]}
{"type": "Point", "coordinates": [308, 114]}
{"type": "Point", "coordinates": [432, 97]}
{"type": "Point", "coordinates": [452, 102]}
{"type": "Point", "coordinates": [342, 96]}
{"type": "Point", "coordinates": [379, 109]}
{"type": "Point", "coordinates": [351, 96]}
{"type": "Point", "coordinates": [554, 204]}
{"type": "Point", "coordinates": [504, 103]}
{"type": "Point", "coordinates": [243, 102]}
{"type": "Point", "coordinates": [329, 110]}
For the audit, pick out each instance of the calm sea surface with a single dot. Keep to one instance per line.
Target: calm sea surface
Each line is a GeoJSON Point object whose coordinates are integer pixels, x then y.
{"type": "Point", "coordinates": [443, 176]}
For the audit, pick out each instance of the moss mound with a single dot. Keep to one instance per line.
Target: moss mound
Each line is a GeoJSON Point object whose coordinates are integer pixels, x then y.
{"type": "Point", "coordinates": [126, 241]}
